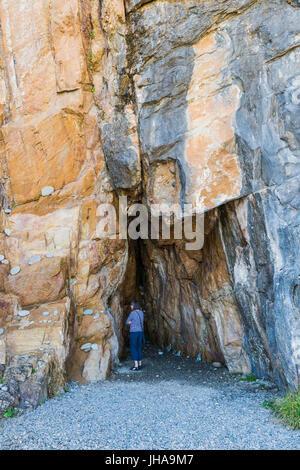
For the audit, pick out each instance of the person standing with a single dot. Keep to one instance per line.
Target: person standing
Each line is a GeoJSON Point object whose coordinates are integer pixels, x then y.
{"type": "Point", "coordinates": [136, 322]}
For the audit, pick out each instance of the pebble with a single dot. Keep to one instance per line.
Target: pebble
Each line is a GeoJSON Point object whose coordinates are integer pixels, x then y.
{"type": "Point", "coordinates": [217, 365]}
{"type": "Point", "coordinates": [1, 331]}
{"type": "Point", "coordinates": [86, 347]}
{"type": "Point", "coordinates": [174, 412]}
{"type": "Point", "coordinates": [23, 313]}
{"type": "Point", "coordinates": [15, 270]}
{"type": "Point", "coordinates": [7, 232]}
{"type": "Point", "coordinates": [96, 316]}
{"type": "Point", "coordinates": [34, 259]}
{"type": "Point", "coordinates": [2, 257]}
{"type": "Point", "coordinates": [49, 255]}
{"type": "Point", "coordinates": [5, 261]}
{"type": "Point", "coordinates": [88, 311]}
{"type": "Point", "coordinates": [47, 190]}
{"type": "Point", "coordinates": [45, 314]}
{"type": "Point", "coordinates": [7, 211]}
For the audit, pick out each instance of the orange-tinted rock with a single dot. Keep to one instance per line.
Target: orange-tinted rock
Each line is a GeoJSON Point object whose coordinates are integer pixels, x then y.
{"type": "Point", "coordinates": [42, 282]}
{"type": "Point", "coordinates": [46, 327]}
{"type": "Point", "coordinates": [50, 153]}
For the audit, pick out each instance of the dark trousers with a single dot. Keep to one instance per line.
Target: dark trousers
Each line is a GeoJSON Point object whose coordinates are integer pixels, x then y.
{"type": "Point", "coordinates": [136, 345]}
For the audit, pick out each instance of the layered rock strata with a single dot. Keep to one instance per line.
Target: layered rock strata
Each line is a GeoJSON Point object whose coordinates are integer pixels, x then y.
{"type": "Point", "coordinates": [175, 102]}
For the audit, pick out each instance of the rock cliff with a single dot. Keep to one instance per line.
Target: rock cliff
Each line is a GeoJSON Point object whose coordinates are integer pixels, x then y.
{"type": "Point", "coordinates": [164, 101]}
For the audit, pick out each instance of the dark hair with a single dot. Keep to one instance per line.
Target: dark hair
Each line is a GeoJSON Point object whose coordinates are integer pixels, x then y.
{"type": "Point", "coordinates": [135, 304]}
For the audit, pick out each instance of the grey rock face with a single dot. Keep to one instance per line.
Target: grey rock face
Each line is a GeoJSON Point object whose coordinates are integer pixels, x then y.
{"type": "Point", "coordinates": [118, 129]}
{"type": "Point", "coordinates": [259, 54]}
{"type": "Point", "coordinates": [6, 400]}
{"type": "Point", "coordinates": [28, 382]}
{"type": "Point", "coordinates": [265, 275]}
{"type": "Point", "coordinates": [162, 36]}
{"type": "Point", "coordinates": [120, 155]}
{"type": "Point", "coordinates": [259, 235]}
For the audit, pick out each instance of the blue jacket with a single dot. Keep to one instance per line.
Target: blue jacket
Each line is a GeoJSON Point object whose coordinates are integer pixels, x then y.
{"type": "Point", "coordinates": [137, 319]}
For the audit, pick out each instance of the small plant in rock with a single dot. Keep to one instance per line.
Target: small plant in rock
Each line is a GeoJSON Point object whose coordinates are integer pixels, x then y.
{"type": "Point", "coordinates": [33, 371]}
{"type": "Point", "coordinates": [92, 34]}
{"type": "Point", "coordinates": [268, 404]}
{"type": "Point", "coordinates": [2, 380]}
{"type": "Point", "coordinates": [287, 408]}
{"type": "Point", "coordinates": [93, 89]}
{"type": "Point", "coordinates": [249, 378]}
{"type": "Point", "coordinates": [90, 57]}
{"type": "Point", "coordinates": [10, 413]}
{"type": "Point", "coordinates": [66, 390]}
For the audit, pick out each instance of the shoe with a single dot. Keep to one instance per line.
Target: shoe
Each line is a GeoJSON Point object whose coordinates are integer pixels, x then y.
{"type": "Point", "coordinates": [134, 368]}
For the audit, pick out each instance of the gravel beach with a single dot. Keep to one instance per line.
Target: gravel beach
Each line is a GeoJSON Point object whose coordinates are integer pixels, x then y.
{"type": "Point", "coordinates": [173, 403]}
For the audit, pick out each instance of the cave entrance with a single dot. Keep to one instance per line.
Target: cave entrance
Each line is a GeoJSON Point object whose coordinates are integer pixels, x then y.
{"type": "Point", "coordinates": [132, 289]}
{"type": "Point", "coordinates": [187, 297]}
{"type": "Point", "coordinates": [152, 279]}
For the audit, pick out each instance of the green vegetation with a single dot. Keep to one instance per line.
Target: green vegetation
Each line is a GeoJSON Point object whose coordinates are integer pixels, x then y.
{"type": "Point", "coordinates": [92, 34]}
{"type": "Point", "coordinates": [287, 408]}
{"type": "Point", "coordinates": [33, 371]}
{"type": "Point", "coordinates": [10, 413]}
{"type": "Point", "coordinates": [90, 57]}
{"type": "Point", "coordinates": [93, 89]}
{"type": "Point", "coordinates": [66, 390]}
{"type": "Point", "coordinates": [2, 380]}
{"type": "Point", "coordinates": [268, 404]}
{"type": "Point", "coordinates": [249, 378]}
